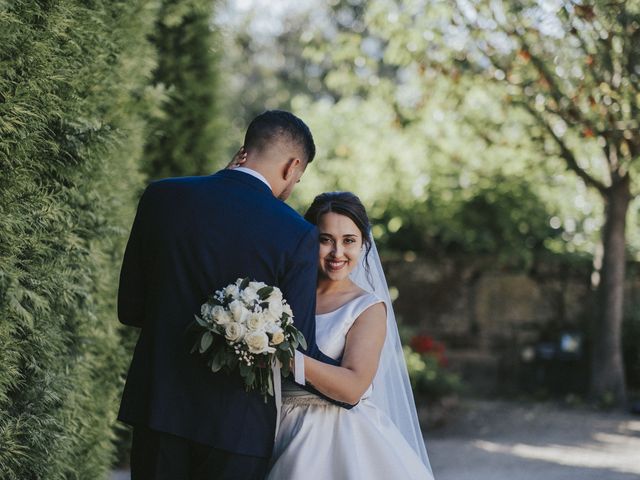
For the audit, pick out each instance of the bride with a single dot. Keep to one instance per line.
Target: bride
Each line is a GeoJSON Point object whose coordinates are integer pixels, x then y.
{"type": "Point", "coordinates": [380, 437]}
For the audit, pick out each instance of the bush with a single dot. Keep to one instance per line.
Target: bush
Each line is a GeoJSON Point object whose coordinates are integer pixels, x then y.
{"type": "Point", "coordinates": [427, 365]}
{"type": "Point", "coordinates": [71, 134]}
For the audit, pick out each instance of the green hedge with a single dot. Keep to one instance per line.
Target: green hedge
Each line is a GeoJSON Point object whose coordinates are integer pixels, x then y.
{"type": "Point", "coordinates": [72, 103]}
{"type": "Point", "coordinates": [184, 134]}
{"type": "Point", "coordinates": [184, 127]}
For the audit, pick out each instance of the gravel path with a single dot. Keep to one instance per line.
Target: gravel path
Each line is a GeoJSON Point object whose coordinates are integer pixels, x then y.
{"type": "Point", "coordinates": [497, 440]}
{"type": "Point", "coordinates": [493, 440]}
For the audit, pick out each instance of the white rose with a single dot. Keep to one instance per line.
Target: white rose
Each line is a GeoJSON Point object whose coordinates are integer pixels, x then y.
{"type": "Point", "coordinates": [275, 308]}
{"type": "Point", "coordinates": [234, 332]}
{"type": "Point", "coordinates": [287, 309]}
{"type": "Point", "coordinates": [277, 338]}
{"type": "Point", "coordinates": [250, 295]}
{"type": "Point", "coordinates": [271, 320]}
{"type": "Point", "coordinates": [232, 291]}
{"type": "Point", "coordinates": [256, 322]}
{"type": "Point", "coordinates": [276, 295]}
{"type": "Point", "coordinates": [257, 342]}
{"type": "Point", "coordinates": [271, 326]}
{"type": "Point", "coordinates": [239, 311]}
{"type": "Point", "coordinates": [221, 316]}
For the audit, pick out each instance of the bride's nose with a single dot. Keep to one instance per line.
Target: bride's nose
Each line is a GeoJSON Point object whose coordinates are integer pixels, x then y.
{"type": "Point", "coordinates": [337, 250]}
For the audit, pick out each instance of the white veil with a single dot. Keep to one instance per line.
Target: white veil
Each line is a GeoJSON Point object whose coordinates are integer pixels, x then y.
{"type": "Point", "coordinates": [391, 388]}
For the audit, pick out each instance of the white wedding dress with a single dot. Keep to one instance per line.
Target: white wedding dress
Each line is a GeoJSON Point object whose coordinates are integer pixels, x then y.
{"type": "Point", "coordinates": [319, 440]}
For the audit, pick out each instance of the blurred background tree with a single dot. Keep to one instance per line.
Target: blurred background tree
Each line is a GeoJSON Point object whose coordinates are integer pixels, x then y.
{"type": "Point", "coordinates": [456, 123]}
{"type": "Point", "coordinates": [573, 67]}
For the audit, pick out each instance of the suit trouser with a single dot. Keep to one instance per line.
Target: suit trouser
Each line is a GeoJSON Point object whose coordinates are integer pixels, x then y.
{"type": "Point", "coordinates": [162, 456]}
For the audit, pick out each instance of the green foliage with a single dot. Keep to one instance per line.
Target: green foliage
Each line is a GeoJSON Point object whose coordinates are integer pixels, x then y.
{"type": "Point", "coordinates": [411, 141]}
{"type": "Point", "coordinates": [73, 93]}
{"type": "Point", "coordinates": [184, 133]}
{"type": "Point", "coordinates": [429, 186]}
{"type": "Point", "coordinates": [398, 69]}
{"type": "Point", "coordinates": [428, 377]}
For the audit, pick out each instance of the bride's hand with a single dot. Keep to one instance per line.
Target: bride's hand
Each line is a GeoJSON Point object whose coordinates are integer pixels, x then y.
{"type": "Point", "coordinates": [238, 159]}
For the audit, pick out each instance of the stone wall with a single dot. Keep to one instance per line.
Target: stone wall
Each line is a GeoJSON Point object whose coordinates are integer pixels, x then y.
{"type": "Point", "coordinates": [487, 316]}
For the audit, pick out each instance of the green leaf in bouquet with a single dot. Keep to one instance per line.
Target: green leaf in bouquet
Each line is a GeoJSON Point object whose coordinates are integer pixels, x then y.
{"type": "Point", "coordinates": [244, 369]}
{"type": "Point", "coordinates": [201, 322]}
{"type": "Point", "coordinates": [284, 360]}
{"type": "Point", "coordinates": [196, 346]}
{"type": "Point", "coordinates": [301, 340]}
{"type": "Point", "coordinates": [245, 283]}
{"type": "Point", "coordinates": [218, 360]}
{"type": "Point", "coordinates": [250, 379]}
{"type": "Point", "coordinates": [205, 341]}
{"type": "Point", "coordinates": [284, 346]}
{"type": "Point", "coordinates": [232, 362]}
{"type": "Point", "coordinates": [264, 292]}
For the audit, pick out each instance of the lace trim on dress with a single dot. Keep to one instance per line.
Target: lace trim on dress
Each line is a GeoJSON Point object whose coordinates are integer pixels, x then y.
{"type": "Point", "coordinates": [292, 394]}
{"type": "Point", "coordinates": [305, 400]}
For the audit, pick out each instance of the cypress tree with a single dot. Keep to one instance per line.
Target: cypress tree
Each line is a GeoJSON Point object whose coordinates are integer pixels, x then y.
{"type": "Point", "coordinates": [184, 133]}
{"type": "Point", "coordinates": [73, 95]}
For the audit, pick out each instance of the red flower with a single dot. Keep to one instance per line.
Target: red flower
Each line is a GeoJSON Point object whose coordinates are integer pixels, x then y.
{"type": "Point", "coordinates": [426, 345]}
{"type": "Point", "coordinates": [422, 343]}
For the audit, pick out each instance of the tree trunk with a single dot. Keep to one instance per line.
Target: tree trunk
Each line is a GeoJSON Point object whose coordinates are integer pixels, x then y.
{"type": "Point", "coordinates": [607, 368]}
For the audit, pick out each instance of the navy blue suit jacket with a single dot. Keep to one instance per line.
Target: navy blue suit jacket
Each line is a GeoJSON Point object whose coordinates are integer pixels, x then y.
{"type": "Point", "coordinates": [192, 236]}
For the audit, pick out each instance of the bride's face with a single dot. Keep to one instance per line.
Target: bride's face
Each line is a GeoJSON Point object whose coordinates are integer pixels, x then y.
{"type": "Point", "coordinates": [340, 246]}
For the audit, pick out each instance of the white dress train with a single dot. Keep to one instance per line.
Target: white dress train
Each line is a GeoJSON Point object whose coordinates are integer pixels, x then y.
{"type": "Point", "coordinates": [319, 440]}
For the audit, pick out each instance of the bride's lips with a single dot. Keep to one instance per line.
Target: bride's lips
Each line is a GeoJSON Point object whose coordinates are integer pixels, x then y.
{"type": "Point", "coordinates": [335, 265]}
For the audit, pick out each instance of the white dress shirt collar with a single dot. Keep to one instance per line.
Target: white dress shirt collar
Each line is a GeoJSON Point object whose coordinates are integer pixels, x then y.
{"type": "Point", "coordinates": [255, 174]}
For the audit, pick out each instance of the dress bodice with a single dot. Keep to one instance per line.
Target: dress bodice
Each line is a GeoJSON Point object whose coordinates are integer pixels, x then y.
{"type": "Point", "coordinates": [332, 327]}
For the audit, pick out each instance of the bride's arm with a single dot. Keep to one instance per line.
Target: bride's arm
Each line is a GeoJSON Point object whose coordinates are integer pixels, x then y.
{"type": "Point", "coordinates": [348, 382]}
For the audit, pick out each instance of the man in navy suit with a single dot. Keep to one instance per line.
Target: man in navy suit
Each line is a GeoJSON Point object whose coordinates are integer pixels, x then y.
{"type": "Point", "coordinates": [192, 236]}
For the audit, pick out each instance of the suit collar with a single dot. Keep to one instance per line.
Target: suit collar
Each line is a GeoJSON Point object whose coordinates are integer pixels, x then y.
{"type": "Point", "coordinates": [245, 178]}
{"type": "Point", "coordinates": [254, 173]}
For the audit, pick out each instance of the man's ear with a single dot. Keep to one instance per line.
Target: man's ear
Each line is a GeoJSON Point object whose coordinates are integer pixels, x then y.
{"type": "Point", "coordinates": [291, 167]}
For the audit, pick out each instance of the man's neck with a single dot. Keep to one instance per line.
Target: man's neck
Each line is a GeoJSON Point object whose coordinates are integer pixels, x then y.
{"type": "Point", "coordinates": [254, 173]}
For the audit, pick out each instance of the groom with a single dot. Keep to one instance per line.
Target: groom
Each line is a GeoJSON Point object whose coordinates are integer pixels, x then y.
{"type": "Point", "coordinates": [192, 236]}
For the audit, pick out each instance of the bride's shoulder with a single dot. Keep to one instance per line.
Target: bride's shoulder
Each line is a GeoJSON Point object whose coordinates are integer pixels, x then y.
{"type": "Point", "coordinates": [370, 305]}
{"type": "Point", "coordinates": [370, 317]}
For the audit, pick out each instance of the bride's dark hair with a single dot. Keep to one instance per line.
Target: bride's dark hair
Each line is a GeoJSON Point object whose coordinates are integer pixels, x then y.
{"type": "Point", "coordinates": [342, 203]}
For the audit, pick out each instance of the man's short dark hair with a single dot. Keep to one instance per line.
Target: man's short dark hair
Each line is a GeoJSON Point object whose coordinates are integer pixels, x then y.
{"type": "Point", "coordinates": [270, 125]}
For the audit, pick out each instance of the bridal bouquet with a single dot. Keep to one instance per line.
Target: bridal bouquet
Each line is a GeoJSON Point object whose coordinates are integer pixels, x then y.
{"type": "Point", "coordinates": [246, 327]}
